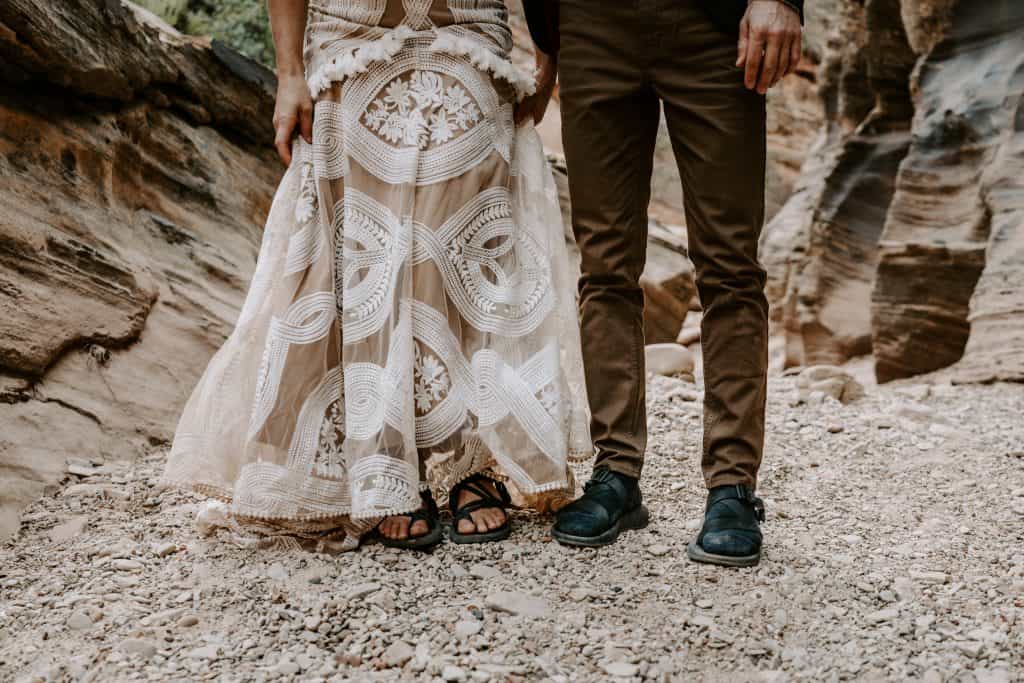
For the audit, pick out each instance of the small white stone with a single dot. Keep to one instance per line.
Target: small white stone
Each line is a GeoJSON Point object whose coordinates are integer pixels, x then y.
{"type": "Point", "coordinates": [82, 470]}
{"type": "Point", "coordinates": [467, 628]}
{"type": "Point", "coordinates": [69, 529]}
{"type": "Point", "coordinates": [138, 646]}
{"type": "Point", "coordinates": [668, 359]}
{"type": "Point", "coordinates": [658, 549]}
{"type": "Point", "coordinates": [397, 654]}
{"type": "Point", "coordinates": [80, 620]}
{"type": "Point", "coordinates": [164, 549]}
{"type": "Point", "coordinates": [127, 565]}
{"type": "Point", "coordinates": [620, 669]}
{"type": "Point", "coordinates": [361, 590]}
{"type": "Point", "coordinates": [205, 652]}
{"type": "Point", "coordinates": [483, 571]}
{"type": "Point", "coordinates": [928, 576]}
{"type": "Point", "coordinates": [883, 615]}
{"type": "Point", "coordinates": [522, 604]}
{"type": "Point", "coordinates": [187, 621]}
{"type": "Point", "coordinates": [453, 673]}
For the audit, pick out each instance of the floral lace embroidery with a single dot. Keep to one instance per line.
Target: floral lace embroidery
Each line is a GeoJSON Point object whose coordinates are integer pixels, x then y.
{"type": "Point", "coordinates": [420, 111]}
{"type": "Point", "coordinates": [431, 379]}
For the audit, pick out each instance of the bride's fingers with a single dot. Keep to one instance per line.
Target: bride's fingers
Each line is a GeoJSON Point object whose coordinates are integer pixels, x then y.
{"type": "Point", "coordinates": [306, 122]}
{"type": "Point", "coordinates": [283, 138]}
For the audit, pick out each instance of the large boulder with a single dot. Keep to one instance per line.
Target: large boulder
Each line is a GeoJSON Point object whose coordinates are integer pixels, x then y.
{"type": "Point", "coordinates": [137, 175]}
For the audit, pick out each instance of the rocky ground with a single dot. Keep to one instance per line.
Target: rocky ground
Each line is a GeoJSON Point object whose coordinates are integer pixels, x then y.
{"type": "Point", "coordinates": [894, 550]}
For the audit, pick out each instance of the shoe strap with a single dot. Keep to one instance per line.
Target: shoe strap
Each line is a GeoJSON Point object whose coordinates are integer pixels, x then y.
{"type": "Point", "coordinates": [603, 476]}
{"type": "Point", "coordinates": [737, 492]}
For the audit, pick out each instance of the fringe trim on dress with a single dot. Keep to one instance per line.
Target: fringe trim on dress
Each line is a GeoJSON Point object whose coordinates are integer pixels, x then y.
{"type": "Point", "coordinates": [358, 59]}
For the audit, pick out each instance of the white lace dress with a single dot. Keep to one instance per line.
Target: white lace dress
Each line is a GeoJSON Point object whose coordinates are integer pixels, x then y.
{"type": "Point", "coordinates": [411, 320]}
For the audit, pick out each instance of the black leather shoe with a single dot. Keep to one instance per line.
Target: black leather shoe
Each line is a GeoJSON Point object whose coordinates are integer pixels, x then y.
{"type": "Point", "coordinates": [611, 503]}
{"type": "Point", "coordinates": [731, 535]}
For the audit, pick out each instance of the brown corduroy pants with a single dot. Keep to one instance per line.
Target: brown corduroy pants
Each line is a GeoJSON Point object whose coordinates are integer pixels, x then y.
{"type": "Point", "coordinates": [620, 62]}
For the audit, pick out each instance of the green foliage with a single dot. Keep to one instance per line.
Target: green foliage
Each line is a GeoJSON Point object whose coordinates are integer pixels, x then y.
{"type": "Point", "coordinates": [242, 24]}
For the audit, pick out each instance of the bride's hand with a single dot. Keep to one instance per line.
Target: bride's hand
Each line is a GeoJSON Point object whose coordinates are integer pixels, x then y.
{"type": "Point", "coordinates": [293, 109]}
{"type": "Point", "coordinates": [536, 104]}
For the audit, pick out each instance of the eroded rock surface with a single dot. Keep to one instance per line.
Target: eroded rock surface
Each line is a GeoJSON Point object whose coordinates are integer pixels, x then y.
{"type": "Point", "coordinates": [903, 238]}
{"type": "Point", "coordinates": [137, 175]}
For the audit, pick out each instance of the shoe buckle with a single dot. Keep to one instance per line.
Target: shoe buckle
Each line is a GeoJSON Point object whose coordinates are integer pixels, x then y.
{"type": "Point", "coordinates": [759, 509]}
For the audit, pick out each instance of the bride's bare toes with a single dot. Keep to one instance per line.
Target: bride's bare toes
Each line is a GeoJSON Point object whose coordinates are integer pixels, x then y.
{"type": "Point", "coordinates": [466, 526]}
{"type": "Point", "coordinates": [418, 528]}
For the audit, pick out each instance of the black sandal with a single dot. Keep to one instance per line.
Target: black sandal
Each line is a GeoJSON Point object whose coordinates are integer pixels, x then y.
{"type": "Point", "coordinates": [429, 514]}
{"type": "Point", "coordinates": [477, 485]}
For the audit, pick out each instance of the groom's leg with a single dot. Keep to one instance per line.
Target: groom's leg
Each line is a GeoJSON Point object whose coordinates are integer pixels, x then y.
{"type": "Point", "coordinates": [717, 129]}
{"type": "Point", "coordinates": [609, 128]}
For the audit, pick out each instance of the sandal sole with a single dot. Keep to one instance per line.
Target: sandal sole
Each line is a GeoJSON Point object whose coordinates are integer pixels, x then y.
{"type": "Point", "coordinates": [424, 542]}
{"type": "Point", "coordinates": [499, 534]}
{"type": "Point", "coordinates": [698, 554]}
{"type": "Point", "coordinates": [637, 518]}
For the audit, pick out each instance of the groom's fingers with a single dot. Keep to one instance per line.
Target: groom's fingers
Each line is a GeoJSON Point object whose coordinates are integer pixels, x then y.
{"type": "Point", "coordinates": [741, 47]}
{"type": "Point", "coordinates": [770, 65]}
{"type": "Point", "coordinates": [783, 68]}
{"type": "Point", "coordinates": [755, 55]}
{"type": "Point", "coordinates": [797, 50]}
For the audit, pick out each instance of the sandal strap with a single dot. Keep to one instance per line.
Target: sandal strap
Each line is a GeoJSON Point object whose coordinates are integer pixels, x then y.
{"type": "Point", "coordinates": [429, 513]}
{"type": "Point", "coordinates": [476, 484]}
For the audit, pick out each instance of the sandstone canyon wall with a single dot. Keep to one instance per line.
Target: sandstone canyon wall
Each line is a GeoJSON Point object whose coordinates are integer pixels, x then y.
{"type": "Point", "coordinates": [905, 234]}
{"type": "Point", "coordinates": [135, 178]}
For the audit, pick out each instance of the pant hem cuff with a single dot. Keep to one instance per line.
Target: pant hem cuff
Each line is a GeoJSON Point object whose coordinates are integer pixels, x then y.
{"type": "Point", "coordinates": [620, 468]}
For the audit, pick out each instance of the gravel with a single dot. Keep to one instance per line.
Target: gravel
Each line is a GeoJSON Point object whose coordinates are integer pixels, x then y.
{"type": "Point", "coordinates": [894, 550]}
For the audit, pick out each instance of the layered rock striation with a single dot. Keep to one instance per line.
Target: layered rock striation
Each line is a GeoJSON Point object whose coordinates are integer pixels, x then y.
{"type": "Point", "coordinates": [137, 173]}
{"type": "Point", "coordinates": [904, 236]}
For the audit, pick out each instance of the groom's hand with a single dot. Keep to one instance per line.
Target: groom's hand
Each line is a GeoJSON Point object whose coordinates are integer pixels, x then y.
{"type": "Point", "coordinates": [770, 43]}
{"type": "Point", "coordinates": [534, 106]}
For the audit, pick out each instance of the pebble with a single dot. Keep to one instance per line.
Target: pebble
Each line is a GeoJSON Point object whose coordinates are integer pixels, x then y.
{"type": "Point", "coordinates": [484, 571]}
{"type": "Point", "coordinates": [187, 621]}
{"type": "Point", "coordinates": [658, 549]}
{"type": "Point", "coordinates": [127, 565]}
{"type": "Point", "coordinates": [288, 667]}
{"type": "Point", "coordinates": [467, 628]}
{"type": "Point", "coordinates": [138, 646]}
{"type": "Point", "coordinates": [80, 620]}
{"type": "Point", "coordinates": [83, 470]}
{"type": "Point", "coordinates": [453, 673]}
{"type": "Point", "coordinates": [361, 590]}
{"type": "Point", "coordinates": [70, 529]}
{"type": "Point", "coordinates": [397, 654]}
{"type": "Point", "coordinates": [668, 359]}
{"type": "Point", "coordinates": [621, 669]}
{"type": "Point", "coordinates": [164, 549]}
{"type": "Point", "coordinates": [928, 576]}
{"type": "Point", "coordinates": [205, 652]}
{"type": "Point", "coordinates": [883, 615]}
{"type": "Point", "coordinates": [519, 603]}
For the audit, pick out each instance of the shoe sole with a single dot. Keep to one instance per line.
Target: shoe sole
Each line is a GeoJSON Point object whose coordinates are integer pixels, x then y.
{"type": "Point", "coordinates": [698, 554]}
{"type": "Point", "coordinates": [638, 518]}
{"type": "Point", "coordinates": [499, 534]}
{"type": "Point", "coordinates": [424, 542]}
